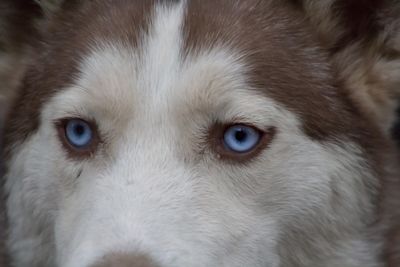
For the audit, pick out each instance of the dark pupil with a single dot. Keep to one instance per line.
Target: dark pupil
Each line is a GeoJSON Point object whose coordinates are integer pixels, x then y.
{"type": "Point", "coordinates": [240, 135]}
{"type": "Point", "coordinates": [79, 130]}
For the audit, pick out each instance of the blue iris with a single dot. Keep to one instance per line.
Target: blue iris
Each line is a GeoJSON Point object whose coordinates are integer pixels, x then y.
{"type": "Point", "coordinates": [79, 133]}
{"type": "Point", "coordinates": [241, 138]}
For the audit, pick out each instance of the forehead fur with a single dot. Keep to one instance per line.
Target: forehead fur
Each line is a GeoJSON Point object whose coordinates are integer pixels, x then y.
{"type": "Point", "coordinates": [283, 58]}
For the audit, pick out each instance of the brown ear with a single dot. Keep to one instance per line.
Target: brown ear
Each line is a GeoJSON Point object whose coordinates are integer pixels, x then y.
{"type": "Point", "coordinates": [20, 24]}
{"type": "Point", "coordinates": [363, 39]}
{"type": "Point", "coordinates": [17, 20]}
{"type": "Point", "coordinates": [49, 6]}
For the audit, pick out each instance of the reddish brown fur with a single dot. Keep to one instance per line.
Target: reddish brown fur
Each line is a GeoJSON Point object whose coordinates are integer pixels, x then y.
{"type": "Point", "coordinates": [63, 43]}
{"type": "Point", "coordinates": [363, 39]}
{"type": "Point", "coordinates": [291, 61]}
{"type": "Point", "coordinates": [124, 260]}
{"type": "Point", "coordinates": [394, 248]}
{"type": "Point", "coordinates": [17, 31]}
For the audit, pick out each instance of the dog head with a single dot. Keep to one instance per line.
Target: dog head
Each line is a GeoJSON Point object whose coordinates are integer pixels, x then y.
{"type": "Point", "coordinates": [189, 133]}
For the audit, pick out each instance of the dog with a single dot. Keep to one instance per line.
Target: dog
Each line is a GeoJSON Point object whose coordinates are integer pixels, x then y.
{"type": "Point", "coordinates": [207, 133]}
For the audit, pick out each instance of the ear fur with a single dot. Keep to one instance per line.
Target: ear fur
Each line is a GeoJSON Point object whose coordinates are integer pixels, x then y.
{"type": "Point", "coordinates": [17, 28]}
{"type": "Point", "coordinates": [49, 7]}
{"type": "Point", "coordinates": [363, 38]}
{"type": "Point", "coordinates": [20, 21]}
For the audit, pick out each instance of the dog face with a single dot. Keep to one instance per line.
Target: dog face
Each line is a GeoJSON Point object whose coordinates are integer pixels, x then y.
{"type": "Point", "coordinates": [188, 133]}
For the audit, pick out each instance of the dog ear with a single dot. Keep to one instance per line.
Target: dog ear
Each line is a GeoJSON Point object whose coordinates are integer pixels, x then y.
{"type": "Point", "coordinates": [363, 40]}
{"type": "Point", "coordinates": [18, 20]}
{"type": "Point", "coordinates": [21, 25]}
{"type": "Point", "coordinates": [341, 22]}
{"type": "Point", "coordinates": [49, 7]}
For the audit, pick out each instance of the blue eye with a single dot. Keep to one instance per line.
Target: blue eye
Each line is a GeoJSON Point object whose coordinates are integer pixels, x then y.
{"type": "Point", "coordinates": [79, 134]}
{"type": "Point", "coordinates": [241, 138]}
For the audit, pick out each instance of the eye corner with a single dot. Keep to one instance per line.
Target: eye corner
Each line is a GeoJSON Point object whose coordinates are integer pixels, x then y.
{"type": "Point", "coordinates": [88, 147]}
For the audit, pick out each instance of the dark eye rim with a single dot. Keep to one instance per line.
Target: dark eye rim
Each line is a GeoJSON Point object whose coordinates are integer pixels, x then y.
{"type": "Point", "coordinates": [74, 151]}
{"type": "Point", "coordinates": [218, 146]}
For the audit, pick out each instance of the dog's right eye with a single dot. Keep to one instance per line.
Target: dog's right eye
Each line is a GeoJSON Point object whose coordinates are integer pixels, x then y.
{"type": "Point", "coordinates": [78, 136]}
{"type": "Point", "coordinates": [78, 133]}
{"type": "Point", "coordinates": [239, 142]}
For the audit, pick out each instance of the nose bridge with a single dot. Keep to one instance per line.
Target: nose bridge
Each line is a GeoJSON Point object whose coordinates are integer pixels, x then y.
{"type": "Point", "coordinates": [125, 260]}
{"type": "Point", "coordinates": [131, 205]}
{"type": "Point", "coordinates": [152, 144]}
{"type": "Point", "coordinates": [153, 128]}
{"type": "Point", "coordinates": [146, 158]}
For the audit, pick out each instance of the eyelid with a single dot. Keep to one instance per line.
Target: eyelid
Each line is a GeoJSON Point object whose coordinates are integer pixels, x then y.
{"type": "Point", "coordinates": [246, 121]}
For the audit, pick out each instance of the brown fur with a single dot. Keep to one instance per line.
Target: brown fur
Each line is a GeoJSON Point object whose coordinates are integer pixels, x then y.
{"type": "Point", "coordinates": [17, 31]}
{"type": "Point", "coordinates": [62, 43]}
{"type": "Point", "coordinates": [123, 260]}
{"type": "Point", "coordinates": [363, 37]}
{"type": "Point", "coordinates": [394, 248]}
{"type": "Point", "coordinates": [359, 39]}
{"type": "Point", "coordinates": [283, 74]}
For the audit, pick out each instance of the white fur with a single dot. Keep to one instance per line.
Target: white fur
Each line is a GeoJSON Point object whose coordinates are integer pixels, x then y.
{"type": "Point", "coordinates": [155, 185]}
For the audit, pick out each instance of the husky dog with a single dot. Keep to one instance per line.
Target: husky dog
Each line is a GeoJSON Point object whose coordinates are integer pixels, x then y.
{"type": "Point", "coordinates": [207, 133]}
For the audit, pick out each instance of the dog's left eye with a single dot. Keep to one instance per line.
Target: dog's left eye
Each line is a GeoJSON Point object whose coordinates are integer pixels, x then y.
{"type": "Point", "coordinates": [241, 138]}
{"type": "Point", "coordinates": [79, 137]}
